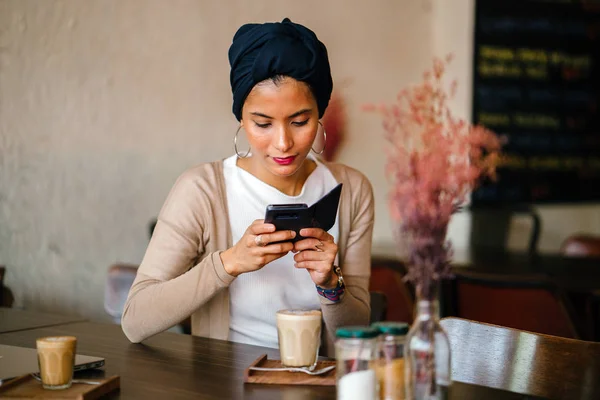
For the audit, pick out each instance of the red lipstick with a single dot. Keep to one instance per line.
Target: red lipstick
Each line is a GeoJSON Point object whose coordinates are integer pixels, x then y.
{"type": "Point", "coordinates": [284, 160]}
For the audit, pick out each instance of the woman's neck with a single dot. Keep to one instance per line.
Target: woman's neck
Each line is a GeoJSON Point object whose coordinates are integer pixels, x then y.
{"type": "Point", "coordinates": [290, 185]}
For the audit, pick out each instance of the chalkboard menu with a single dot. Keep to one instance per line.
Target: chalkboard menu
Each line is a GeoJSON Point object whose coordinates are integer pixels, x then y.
{"type": "Point", "coordinates": [536, 79]}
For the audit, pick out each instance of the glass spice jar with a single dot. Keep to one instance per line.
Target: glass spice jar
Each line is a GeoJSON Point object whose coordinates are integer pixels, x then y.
{"type": "Point", "coordinates": [390, 362]}
{"type": "Point", "coordinates": [356, 354]}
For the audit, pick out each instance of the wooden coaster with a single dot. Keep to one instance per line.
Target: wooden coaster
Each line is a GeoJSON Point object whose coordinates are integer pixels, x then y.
{"type": "Point", "coordinates": [26, 387]}
{"type": "Point", "coordinates": [286, 377]}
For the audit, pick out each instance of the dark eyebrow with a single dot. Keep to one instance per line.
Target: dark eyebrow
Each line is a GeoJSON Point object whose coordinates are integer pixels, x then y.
{"type": "Point", "coordinates": [294, 115]}
{"type": "Point", "coordinates": [261, 115]}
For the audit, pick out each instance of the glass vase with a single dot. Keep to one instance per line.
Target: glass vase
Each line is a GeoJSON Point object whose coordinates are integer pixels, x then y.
{"type": "Point", "coordinates": [427, 350]}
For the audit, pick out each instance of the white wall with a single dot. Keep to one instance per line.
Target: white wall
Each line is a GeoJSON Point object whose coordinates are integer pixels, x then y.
{"type": "Point", "coordinates": [104, 102]}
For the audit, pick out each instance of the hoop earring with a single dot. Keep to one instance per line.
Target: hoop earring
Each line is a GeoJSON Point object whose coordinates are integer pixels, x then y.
{"type": "Point", "coordinates": [235, 144]}
{"type": "Point", "coordinates": [324, 141]}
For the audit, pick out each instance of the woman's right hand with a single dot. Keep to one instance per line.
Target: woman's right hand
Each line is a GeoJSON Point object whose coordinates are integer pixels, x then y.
{"type": "Point", "coordinates": [253, 251]}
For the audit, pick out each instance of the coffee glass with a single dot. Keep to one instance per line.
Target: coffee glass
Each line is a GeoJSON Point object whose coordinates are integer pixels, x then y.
{"type": "Point", "coordinates": [56, 357]}
{"type": "Point", "coordinates": [299, 333]}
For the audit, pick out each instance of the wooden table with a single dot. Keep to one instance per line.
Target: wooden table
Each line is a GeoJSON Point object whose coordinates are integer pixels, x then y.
{"type": "Point", "coordinates": [13, 320]}
{"type": "Point", "coordinates": [175, 366]}
{"type": "Point", "coordinates": [571, 274]}
{"type": "Point", "coordinates": [579, 278]}
{"type": "Point", "coordinates": [509, 359]}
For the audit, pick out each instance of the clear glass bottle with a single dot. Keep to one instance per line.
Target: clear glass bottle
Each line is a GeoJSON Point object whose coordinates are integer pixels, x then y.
{"type": "Point", "coordinates": [427, 351]}
{"type": "Point", "coordinates": [390, 363]}
{"type": "Point", "coordinates": [356, 355]}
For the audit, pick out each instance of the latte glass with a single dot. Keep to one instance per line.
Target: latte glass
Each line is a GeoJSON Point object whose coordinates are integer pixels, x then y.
{"type": "Point", "coordinates": [56, 357]}
{"type": "Point", "coordinates": [299, 333]}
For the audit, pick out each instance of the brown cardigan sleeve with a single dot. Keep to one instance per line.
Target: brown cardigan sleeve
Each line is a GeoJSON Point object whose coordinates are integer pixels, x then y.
{"type": "Point", "coordinates": [170, 285]}
{"type": "Point", "coordinates": [354, 308]}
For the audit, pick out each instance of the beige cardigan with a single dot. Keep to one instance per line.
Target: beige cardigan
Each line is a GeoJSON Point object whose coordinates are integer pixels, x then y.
{"type": "Point", "coordinates": [182, 273]}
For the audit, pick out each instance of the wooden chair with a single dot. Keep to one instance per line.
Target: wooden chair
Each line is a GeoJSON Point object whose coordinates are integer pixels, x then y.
{"type": "Point", "coordinates": [151, 226]}
{"type": "Point", "coordinates": [490, 226]}
{"type": "Point", "coordinates": [2, 272]}
{"type": "Point", "coordinates": [378, 306]}
{"type": "Point", "coordinates": [530, 303]}
{"type": "Point", "coordinates": [581, 245]}
{"type": "Point", "coordinates": [387, 278]}
{"type": "Point", "coordinates": [587, 305]}
{"type": "Point", "coordinates": [119, 279]}
{"type": "Point", "coordinates": [6, 295]}
{"type": "Point", "coordinates": [593, 305]}
{"type": "Point", "coordinates": [509, 359]}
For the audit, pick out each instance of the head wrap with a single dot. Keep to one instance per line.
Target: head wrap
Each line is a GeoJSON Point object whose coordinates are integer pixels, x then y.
{"type": "Point", "coordinates": [262, 51]}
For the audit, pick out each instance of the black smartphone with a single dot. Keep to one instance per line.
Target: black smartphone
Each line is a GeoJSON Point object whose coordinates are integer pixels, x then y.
{"type": "Point", "coordinates": [290, 217]}
{"type": "Point", "coordinates": [295, 217]}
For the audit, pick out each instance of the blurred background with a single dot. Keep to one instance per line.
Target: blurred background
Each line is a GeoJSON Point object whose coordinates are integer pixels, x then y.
{"type": "Point", "coordinates": [103, 103]}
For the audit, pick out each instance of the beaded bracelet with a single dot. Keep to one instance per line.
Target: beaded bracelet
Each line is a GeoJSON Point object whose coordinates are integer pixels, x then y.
{"type": "Point", "coordinates": [334, 294]}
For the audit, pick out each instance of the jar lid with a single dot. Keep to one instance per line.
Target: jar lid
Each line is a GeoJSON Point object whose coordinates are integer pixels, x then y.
{"type": "Point", "coordinates": [391, 328]}
{"type": "Point", "coordinates": [356, 332]}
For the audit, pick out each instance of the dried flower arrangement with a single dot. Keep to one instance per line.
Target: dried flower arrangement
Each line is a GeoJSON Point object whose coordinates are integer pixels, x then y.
{"type": "Point", "coordinates": [434, 160]}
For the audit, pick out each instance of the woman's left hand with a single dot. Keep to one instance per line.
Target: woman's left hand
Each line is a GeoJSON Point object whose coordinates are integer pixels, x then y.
{"type": "Point", "coordinates": [317, 254]}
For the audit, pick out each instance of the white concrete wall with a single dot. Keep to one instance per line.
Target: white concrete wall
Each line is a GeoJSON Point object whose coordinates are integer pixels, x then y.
{"type": "Point", "coordinates": [104, 102]}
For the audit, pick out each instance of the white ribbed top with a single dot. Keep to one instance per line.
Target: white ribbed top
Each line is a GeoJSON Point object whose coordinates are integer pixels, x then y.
{"type": "Point", "coordinates": [255, 297]}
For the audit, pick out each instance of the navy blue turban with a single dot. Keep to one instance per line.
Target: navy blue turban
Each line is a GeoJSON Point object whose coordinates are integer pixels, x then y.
{"type": "Point", "coordinates": [262, 51]}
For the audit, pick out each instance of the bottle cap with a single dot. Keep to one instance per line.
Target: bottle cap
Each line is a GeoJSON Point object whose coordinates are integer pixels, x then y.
{"type": "Point", "coordinates": [356, 332]}
{"type": "Point", "coordinates": [391, 328]}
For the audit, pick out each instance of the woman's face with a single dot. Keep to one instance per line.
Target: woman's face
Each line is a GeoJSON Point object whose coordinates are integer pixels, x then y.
{"type": "Point", "coordinates": [281, 121]}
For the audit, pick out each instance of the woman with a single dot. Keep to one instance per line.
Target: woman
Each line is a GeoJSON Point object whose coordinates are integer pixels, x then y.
{"type": "Point", "coordinates": [213, 257]}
